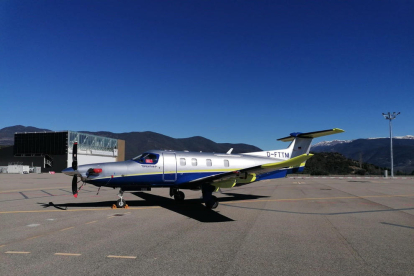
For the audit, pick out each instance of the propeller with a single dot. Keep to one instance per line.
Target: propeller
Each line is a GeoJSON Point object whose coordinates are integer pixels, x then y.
{"type": "Point", "coordinates": [75, 156]}
{"type": "Point", "coordinates": [75, 167]}
{"type": "Point", "coordinates": [75, 185]}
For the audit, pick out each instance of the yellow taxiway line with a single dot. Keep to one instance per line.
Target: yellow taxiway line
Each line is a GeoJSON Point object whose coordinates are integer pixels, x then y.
{"type": "Point", "coordinates": [17, 252]}
{"type": "Point", "coordinates": [318, 198]}
{"type": "Point", "coordinates": [67, 228]}
{"type": "Point", "coordinates": [76, 210]}
{"type": "Point", "coordinates": [34, 237]}
{"type": "Point", "coordinates": [229, 202]}
{"type": "Point", "coordinates": [36, 189]}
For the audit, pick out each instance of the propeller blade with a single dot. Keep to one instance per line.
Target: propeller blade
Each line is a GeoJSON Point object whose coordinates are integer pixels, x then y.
{"type": "Point", "coordinates": [75, 186]}
{"type": "Point", "coordinates": [75, 156]}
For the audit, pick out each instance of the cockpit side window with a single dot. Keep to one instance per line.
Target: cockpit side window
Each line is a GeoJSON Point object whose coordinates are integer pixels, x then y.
{"type": "Point", "coordinates": [147, 158]}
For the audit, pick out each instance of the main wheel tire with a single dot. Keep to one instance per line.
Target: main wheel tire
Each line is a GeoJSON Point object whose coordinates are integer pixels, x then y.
{"type": "Point", "coordinates": [212, 203]}
{"type": "Point", "coordinates": [120, 203]}
{"type": "Point", "coordinates": [179, 196]}
{"type": "Point", "coordinates": [216, 203]}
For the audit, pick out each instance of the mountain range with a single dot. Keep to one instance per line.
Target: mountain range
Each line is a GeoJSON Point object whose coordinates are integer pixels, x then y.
{"type": "Point", "coordinates": [371, 150]}
{"type": "Point", "coordinates": [139, 142]}
{"type": "Point", "coordinates": [374, 151]}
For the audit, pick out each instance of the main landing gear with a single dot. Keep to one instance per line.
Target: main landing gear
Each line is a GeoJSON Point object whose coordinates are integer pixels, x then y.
{"type": "Point", "coordinates": [210, 201]}
{"type": "Point", "coordinates": [120, 203]}
{"type": "Point", "coordinates": [178, 195]}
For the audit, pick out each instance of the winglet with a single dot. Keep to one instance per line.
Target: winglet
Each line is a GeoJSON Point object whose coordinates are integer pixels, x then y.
{"type": "Point", "coordinates": [230, 150]}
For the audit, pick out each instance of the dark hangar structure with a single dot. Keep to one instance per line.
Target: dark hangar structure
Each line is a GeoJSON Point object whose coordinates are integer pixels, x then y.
{"type": "Point", "coordinates": [52, 151]}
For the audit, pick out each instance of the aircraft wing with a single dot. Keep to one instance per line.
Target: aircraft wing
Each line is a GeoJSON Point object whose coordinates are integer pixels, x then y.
{"type": "Point", "coordinates": [248, 175]}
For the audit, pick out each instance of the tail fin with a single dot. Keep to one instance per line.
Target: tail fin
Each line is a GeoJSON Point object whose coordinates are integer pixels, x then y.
{"type": "Point", "coordinates": [301, 142]}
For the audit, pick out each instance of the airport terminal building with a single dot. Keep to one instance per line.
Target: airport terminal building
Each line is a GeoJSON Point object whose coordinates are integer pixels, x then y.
{"type": "Point", "coordinates": [52, 151]}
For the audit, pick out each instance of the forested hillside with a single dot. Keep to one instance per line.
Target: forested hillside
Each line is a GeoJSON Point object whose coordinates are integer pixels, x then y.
{"type": "Point", "coordinates": [333, 163]}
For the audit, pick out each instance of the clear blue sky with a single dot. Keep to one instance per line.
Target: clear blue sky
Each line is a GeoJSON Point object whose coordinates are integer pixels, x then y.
{"type": "Point", "coordinates": [231, 71]}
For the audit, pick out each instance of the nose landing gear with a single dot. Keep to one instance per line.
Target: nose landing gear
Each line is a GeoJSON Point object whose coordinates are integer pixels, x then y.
{"type": "Point", "coordinates": [120, 203]}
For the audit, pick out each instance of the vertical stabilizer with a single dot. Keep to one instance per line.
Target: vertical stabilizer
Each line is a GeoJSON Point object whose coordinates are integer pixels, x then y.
{"type": "Point", "coordinates": [300, 144]}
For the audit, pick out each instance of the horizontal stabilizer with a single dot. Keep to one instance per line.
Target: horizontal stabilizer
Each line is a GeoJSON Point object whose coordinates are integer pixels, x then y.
{"type": "Point", "coordinates": [314, 134]}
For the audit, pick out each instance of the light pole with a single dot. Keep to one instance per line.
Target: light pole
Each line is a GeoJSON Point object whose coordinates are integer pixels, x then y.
{"type": "Point", "coordinates": [391, 117]}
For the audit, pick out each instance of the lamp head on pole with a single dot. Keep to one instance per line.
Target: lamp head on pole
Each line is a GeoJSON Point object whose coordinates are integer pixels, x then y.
{"type": "Point", "coordinates": [389, 116]}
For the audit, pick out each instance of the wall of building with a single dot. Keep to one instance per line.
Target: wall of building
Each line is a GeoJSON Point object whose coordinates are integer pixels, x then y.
{"type": "Point", "coordinates": [38, 144]}
{"type": "Point", "coordinates": [6, 157]}
{"type": "Point", "coordinates": [90, 159]}
{"type": "Point", "coordinates": [121, 150]}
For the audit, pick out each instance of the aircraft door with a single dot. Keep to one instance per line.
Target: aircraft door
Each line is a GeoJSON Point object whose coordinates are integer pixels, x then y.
{"type": "Point", "coordinates": [170, 167]}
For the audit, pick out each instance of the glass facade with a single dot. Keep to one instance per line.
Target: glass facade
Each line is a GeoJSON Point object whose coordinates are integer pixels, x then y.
{"type": "Point", "coordinates": [91, 142]}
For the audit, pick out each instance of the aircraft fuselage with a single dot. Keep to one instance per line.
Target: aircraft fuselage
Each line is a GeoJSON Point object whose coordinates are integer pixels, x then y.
{"type": "Point", "coordinates": [168, 168]}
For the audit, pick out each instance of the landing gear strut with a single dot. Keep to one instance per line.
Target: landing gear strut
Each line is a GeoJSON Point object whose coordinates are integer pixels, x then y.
{"type": "Point", "coordinates": [178, 195]}
{"type": "Point", "coordinates": [120, 203]}
{"type": "Point", "coordinates": [210, 201]}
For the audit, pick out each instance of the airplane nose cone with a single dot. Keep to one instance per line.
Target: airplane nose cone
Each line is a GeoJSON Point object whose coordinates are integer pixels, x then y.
{"type": "Point", "coordinates": [69, 171]}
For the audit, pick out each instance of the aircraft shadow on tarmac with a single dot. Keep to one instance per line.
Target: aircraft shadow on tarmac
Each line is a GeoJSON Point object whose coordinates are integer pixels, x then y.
{"type": "Point", "coordinates": [191, 208]}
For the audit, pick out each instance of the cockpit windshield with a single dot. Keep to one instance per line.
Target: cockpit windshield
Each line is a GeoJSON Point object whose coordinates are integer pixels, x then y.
{"type": "Point", "coordinates": [146, 158]}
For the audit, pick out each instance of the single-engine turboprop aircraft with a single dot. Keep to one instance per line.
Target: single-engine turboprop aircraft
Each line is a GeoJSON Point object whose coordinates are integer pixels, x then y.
{"type": "Point", "coordinates": [208, 172]}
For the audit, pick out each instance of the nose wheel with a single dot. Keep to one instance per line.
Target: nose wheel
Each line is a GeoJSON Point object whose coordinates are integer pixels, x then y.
{"type": "Point", "coordinates": [120, 203]}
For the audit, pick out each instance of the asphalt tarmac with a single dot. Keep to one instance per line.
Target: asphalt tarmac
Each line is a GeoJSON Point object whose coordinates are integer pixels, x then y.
{"type": "Point", "coordinates": [274, 227]}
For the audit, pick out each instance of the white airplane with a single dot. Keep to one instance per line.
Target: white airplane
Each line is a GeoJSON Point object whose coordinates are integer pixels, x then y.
{"type": "Point", "coordinates": [208, 172]}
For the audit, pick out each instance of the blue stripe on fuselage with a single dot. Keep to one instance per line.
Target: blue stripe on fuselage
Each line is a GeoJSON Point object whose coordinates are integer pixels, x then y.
{"type": "Point", "coordinates": [156, 180]}
{"type": "Point", "coordinates": [153, 180]}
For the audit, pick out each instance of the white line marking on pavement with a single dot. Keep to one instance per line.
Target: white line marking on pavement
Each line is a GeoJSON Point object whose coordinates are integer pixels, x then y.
{"type": "Point", "coordinates": [67, 254]}
{"type": "Point", "coordinates": [122, 257]}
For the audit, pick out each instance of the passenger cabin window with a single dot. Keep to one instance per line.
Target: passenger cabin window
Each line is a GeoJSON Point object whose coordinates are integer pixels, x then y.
{"type": "Point", "coordinates": [194, 162]}
{"type": "Point", "coordinates": [226, 163]}
{"type": "Point", "coordinates": [208, 162]}
{"type": "Point", "coordinates": [182, 161]}
{"type": "Point", "coordinates": [147, 158]}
